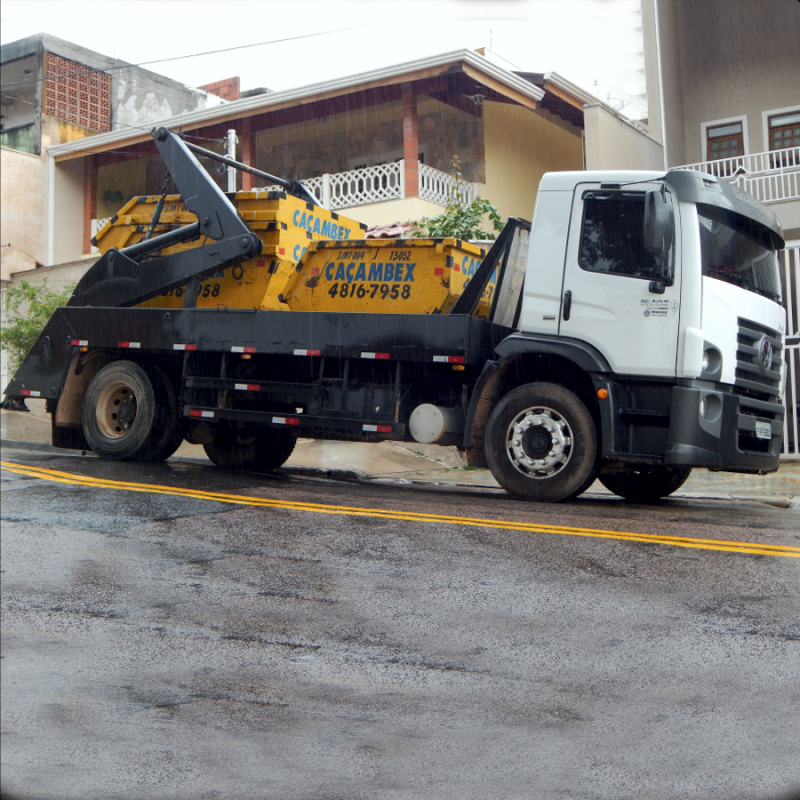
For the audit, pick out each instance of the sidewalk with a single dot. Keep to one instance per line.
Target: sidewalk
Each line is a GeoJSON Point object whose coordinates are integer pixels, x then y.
{"type": "Point", "coordinates": [425, 464]}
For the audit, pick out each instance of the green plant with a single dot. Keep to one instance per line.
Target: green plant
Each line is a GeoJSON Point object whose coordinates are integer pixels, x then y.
{"type": "Point", "coordinates": [28, 308]}
{"type": "Point", "coordinates": [459, 219]}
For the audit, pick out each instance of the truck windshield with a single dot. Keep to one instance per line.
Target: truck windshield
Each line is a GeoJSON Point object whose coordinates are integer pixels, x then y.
{"type": "Point", "coordinates": [739, 251]}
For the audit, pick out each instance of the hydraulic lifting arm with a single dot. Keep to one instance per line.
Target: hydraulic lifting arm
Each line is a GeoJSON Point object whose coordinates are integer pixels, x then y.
{"type": "Point", "coordinates": [134, 274]}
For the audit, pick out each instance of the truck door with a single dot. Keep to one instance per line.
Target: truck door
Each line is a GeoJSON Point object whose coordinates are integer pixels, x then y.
{"type": "Point", "coordinates": [616, 295]}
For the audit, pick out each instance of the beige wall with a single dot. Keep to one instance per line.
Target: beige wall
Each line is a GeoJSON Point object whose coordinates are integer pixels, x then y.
{"type": "Point", "coordinates": [68, 211]}
{"type": "Point", "coordinates": [23, 195]}
{"type": "Point", "coordinates": [23, 200]}
{"type": "Point", "coordinates": [406, 210]}
{"type": "Point", "coordinates": [521, 146]}
{"type": "Point", "coordinates": [611, 143]}
{"type": "Point", "coordinates": [57, 277]}
{"type": "Point", "coordinates": [13, 261]}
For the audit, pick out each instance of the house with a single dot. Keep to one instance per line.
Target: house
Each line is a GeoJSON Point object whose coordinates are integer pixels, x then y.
{"type": "Point", "coordinates": [56, 92]}
{"type": "Point", "coordinates": [378, 144]}
{"type": "Point", "coordinates": [724, 98]}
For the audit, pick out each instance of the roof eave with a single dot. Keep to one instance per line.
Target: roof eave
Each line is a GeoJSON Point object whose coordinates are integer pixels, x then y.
{"type": "Point", "coordinates": [501, 80]}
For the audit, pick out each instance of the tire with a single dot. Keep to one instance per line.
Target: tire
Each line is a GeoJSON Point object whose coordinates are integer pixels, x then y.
{"type": "Point", "coordinates": [646, 484]}
{"type": "Point", "coordinates": [541, 443]}
{"type": "Point", "coordinates": [131, 415]}
{"type": "Point", "coordinates": [250, 447]}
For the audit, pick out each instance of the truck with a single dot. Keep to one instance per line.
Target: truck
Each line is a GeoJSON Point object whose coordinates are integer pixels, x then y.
{"type": "Point", "coordinates": [634, 330]}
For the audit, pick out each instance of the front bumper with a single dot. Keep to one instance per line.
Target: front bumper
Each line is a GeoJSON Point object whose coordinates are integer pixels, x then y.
{"type": "Point", "coordinates": [721, 433]}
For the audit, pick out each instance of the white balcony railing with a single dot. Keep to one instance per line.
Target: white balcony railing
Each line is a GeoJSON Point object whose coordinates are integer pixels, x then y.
{"type": "Point", "coordinates": [358, 187]}
{"type": "Point", "coordinates": [437, 187]}
{"type": "Point", "coordinates": [97, 224]}
{"type": "Point", "coordinates": [771, 177]}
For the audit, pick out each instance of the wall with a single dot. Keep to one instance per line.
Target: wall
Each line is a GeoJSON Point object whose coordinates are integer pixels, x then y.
{"type": "Point", "coordinates": [611, 143]}
{"type": "Point", "coordinates": [68, 212]}
{"type": "Point", "coordinates": [14, 260]}
{"type": "Point", "coordinates": [138, 97]}
{"type": "Point", "coordinates": [410, 208]}
{"type": "Point", "coordinates": [725, 58]}
{"type": "Point", "coordinates": [521, 145]}
{"type": "Point", "coordinates": [23, 200]}
{"type": "Point", "coordinates": [126, 179]}
{"type": "Point", "coordinates": [58, 277]}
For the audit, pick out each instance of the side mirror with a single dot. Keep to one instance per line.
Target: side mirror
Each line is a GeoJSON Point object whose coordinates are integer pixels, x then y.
{"type": "Point", "coordinates": [659, 230]}
{"type": "Point", "coordinates": [659, 222]}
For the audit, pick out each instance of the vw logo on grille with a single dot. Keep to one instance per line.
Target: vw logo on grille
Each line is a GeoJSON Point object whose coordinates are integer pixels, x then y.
{"type": "Point", "coordinates": [765, 354]}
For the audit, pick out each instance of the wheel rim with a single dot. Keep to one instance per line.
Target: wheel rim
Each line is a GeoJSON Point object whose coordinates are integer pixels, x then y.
{"type": "Point", "coordinates": [539, 442]}
{"type": "Point", "coordinates": [116, 410]}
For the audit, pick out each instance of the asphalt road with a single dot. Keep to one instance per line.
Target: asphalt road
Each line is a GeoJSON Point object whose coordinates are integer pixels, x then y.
{"type": "Point", "coordinates": [175, 631]}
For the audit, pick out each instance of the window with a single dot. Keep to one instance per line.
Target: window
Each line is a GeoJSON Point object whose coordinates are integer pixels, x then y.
{"type": "Point", "coordinates": [612, 238]}
{"type": "Point", "coordinates": [738, 251]}
{"type": "Point", "coordinates": [784, 132]}
{"type": "Point", "coordinates": [725, 142]}
{"type": "Point", "coordinates": [18, 138]}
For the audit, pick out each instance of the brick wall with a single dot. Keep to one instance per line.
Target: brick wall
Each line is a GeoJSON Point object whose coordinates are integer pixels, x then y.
{"type": "Point", "coordinates": [227, 89]}
{"type": "Point", "coordinates": [76, 94]}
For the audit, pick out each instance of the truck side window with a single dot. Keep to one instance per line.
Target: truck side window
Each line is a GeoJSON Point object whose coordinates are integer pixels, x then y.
{"type": "Point", "coordinates": [612, 237]}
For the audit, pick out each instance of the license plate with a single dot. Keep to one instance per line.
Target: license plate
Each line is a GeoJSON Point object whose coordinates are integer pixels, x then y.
{"type": "Point", "coordinates": [763, 430]}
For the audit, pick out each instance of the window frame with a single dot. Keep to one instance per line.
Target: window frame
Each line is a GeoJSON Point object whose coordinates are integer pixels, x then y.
{"type": "Point", "coordinates": [765, 118]}
{"type": "Point", "coordinates": [610, 273]}
{"type": "Point", "coordinates": [716, 123]}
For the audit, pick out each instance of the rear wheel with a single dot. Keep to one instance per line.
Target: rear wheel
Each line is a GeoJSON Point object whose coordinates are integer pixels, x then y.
{"type": "Point", "coordinates": [645, 484]}
{"type": "Point", "coordinates": [250, 447]}
{"type": "Point", "coordinates": [541, 443]}
{"type": "Point", "coordinates": [130, 414]}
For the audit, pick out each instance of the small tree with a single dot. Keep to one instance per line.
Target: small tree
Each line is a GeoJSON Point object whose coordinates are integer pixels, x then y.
{"type": "Point", "coordinates": [460, 220]}
{"type": "Point", "coordinates": [28, 309]}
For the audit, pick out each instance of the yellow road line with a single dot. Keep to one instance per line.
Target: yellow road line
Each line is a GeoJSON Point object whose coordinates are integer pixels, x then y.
{"type": "Point", "coordinates": [758, 548]}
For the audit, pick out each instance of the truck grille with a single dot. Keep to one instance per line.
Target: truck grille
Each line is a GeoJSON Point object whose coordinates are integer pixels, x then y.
{"type": "Point", "coordinates": [759, 357]}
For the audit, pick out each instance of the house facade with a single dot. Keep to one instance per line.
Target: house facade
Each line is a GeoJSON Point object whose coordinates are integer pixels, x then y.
{"type": "Point", "coordinates": [379, 146]}
{"type": "Point", "coordinates": [56, 92]}
{"type": "Point", "coordinates": [724, 98]}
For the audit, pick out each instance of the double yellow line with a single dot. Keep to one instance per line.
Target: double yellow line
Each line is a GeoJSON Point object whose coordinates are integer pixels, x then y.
{"type": "Point", "coordinates": [756, 548]}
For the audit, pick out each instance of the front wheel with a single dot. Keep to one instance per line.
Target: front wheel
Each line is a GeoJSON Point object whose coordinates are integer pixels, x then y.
{"type": "Point", "coordinates": [541, 443]}
{"type": "Point", "coordinates": [645, 484]}
{"type": "Point", "coordinates": [250, 447]}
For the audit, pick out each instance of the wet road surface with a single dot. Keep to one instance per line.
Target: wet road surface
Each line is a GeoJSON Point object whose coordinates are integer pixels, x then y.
{"type": "Point", "coordinates": [175, 631]}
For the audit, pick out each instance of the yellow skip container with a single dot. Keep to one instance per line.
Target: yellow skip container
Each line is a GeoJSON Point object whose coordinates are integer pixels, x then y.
{"type": "Point", "coordinates": [387, 276]}
{"type": "Point", "coordinates": [285, 224]}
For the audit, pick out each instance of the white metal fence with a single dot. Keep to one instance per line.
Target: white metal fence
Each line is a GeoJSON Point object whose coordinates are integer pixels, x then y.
{"type": "Point", "coordinates": [358, 187]}
{"type": "Point", "coordinates": [771, 177]}
{"type": "Point", "coordinates": [97, 224]}
{"type": "Point", "coordinates": [437, 187]}
{"type": "Point", "coordinates": [790, 274]}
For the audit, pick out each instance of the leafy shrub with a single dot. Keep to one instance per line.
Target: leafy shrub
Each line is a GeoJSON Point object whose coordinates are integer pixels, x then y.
{"type": "Point", "coordinates": [460, 220]}
{"type": "Point", "coordinates": [27, 310]}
